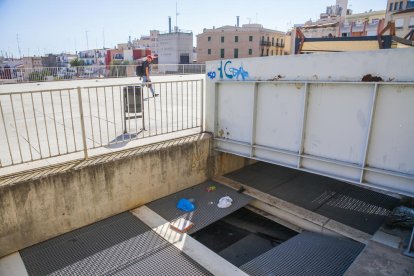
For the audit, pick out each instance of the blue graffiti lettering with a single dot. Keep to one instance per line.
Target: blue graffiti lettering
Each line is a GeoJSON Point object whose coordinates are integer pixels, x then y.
{"type": "Point", "coordinates": [232, 72]}
{"type": "Point", "coordinates": [223, 70]}
{"type": "Point", "coordinates": [211, 75]}
{"type": "Point", "coordinates": [239, 72]}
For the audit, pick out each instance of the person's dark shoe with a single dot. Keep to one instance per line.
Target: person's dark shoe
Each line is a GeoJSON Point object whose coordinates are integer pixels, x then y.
{"type": "Point", "coordinates": [155, 95]}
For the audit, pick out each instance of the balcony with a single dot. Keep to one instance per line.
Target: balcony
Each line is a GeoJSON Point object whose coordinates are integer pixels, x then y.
{"type": "Point", "coordinates": [265, 43]}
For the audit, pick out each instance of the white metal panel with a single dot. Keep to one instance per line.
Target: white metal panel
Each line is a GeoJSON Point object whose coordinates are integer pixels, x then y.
{"type": "Point", "coordinates": [337, 121]}
{"type": "Point", "coordinates": [279, 115]}
{"type": "Point", "coordinates": [235, 111]}
{"type": "Point", "coordinates": [334, 124]}
{"type": "Point", "coordinates": [392, 139]}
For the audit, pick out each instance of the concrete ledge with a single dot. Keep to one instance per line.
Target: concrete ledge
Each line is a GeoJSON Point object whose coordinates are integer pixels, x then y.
{"type": "Point", "coordinates": [47, 202]}
{"type": "Point", "coordinates": [12, 265]}
{"type": "Point", "coordinates": [185, 243]}
{"type": "Point", "coordinates": [293, 214]}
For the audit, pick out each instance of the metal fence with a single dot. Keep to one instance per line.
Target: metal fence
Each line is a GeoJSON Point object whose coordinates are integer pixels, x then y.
{"type": "Point", "coordinates": [36, 125]}
{"type": "Point", "coordinates": [13, 75]}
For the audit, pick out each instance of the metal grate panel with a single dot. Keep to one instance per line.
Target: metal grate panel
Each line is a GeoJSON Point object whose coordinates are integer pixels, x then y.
{"type": "Point", "coordinates": [357, 207]}
{"type": "Point", "coordinates": [118, 244]}
{"type": "Point", "coordinates": [206, 211]}
{"type": "Point", "coordinates": [263, 176]}
{"type": "Point", "coordinates": [306, 254]}
{"type": "Point", "coordinates": [309, 191]}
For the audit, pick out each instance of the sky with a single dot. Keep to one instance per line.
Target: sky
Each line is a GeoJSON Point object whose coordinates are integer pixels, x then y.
{"type": "Point", "coordinates": [55, 26]}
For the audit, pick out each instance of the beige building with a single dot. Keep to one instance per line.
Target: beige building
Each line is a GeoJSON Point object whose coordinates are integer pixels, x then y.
{"type": "Point", "coordinates": [363, 24]}
{"type": "Point", "coordinates": [228, 42]}
{"type": "Point", "coordinates": [32, 62]}
{"type": "Point", "coordinates": [402, 13]}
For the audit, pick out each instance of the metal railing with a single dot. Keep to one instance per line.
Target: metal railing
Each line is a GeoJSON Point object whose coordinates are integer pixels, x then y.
{"type": "Point", "coordinates": [20, 75]}
{"type": "Point", "coordinates": [36, 125]}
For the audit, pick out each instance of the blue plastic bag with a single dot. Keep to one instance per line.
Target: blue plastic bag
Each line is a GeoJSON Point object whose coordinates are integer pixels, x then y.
{"type": "Point", "coordinates": [185, 205]}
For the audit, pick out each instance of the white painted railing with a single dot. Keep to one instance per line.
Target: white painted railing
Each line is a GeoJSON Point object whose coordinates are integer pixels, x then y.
{"type": "Point", "coordinates": [37, 125]}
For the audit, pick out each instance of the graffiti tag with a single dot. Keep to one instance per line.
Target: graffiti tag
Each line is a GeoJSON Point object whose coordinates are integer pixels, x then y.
{"type": "Point", "coordinates": [211, 75]}
{"type": "Point", "coordinates": [232, 72]}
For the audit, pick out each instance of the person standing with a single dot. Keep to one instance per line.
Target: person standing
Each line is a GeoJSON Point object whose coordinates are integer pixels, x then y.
{"type": "Point", "coordinates": [146, 76]}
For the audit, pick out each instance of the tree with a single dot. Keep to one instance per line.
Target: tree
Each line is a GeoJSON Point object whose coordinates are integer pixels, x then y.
{"type": "Point", "coordinates": [77, 62]}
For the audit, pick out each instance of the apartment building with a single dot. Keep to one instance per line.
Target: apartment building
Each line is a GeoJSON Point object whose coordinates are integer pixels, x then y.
{"type": "Point", "coordinates": [93, 57]}
{"type": "Point", "coordinates": [402, 13]}
{"type": "Point", "coordinates": [228, 42]}
{"type": "Point", "coordinates": [363, 24]}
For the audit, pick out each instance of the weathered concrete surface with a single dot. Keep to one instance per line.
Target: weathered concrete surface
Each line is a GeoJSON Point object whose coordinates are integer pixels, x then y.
{"type": "Point", "coordinates": [61, 200]}
{"type": "Point", "coordinates": [378, 259]}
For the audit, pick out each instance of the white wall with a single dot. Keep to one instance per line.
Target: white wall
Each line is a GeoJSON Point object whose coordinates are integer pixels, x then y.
{"type": "Point", "coordinates": [172, 45]}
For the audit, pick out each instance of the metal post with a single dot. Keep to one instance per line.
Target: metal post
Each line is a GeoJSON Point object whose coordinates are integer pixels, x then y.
{"type": "Point", "coordinates": [216, 108]}
{"type": "Point", "coordinates": [254, 116]}
{"type": "Point", "coordinates": [85, 146]}
{"type": "Point", "coordinates": [202, 107]}
{"type": "Point", "coordinates": [302, 133]}
{"type": "Point", "coordinates": [369, 130]}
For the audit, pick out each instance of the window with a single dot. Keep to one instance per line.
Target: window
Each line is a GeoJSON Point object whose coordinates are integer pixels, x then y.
{"type": "Point", "coordinates": [236, 53]}
{"type": "Point", "coordinates": [250, 52]}
{"type": "Point", "coordinates": [221, 53]}
{"type": "Point", "coordinates": [267, 52]}
{"type": "Point", "coordinates": [222, 39]}
{"type": "Point", "coordinates": [411, 25]}
{"type": "Point", "coordinates": [395, 6]}
{"type": "Point", "coordinates": [390, 7]}
{"type": "Point", "coordinates": [236, 38]}
{"type": "Point", "coordinates": [250, 38]}
{"type": "Point", "coordinates": [209, 38]}
{"type": "Point", "coordinates": [273, 41]}
{"type": "Point", "coordinates": [209, 51]}
{"type": "Point", "coordinates": [401, 5]}
{"type": "Point", "coordinates": [399, 23]}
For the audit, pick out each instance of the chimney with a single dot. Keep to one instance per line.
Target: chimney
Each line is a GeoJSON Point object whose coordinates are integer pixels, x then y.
{"type": "Point", "coordinates": [238, 21]}
{"type": "Point", "coordinates": [169, 24]}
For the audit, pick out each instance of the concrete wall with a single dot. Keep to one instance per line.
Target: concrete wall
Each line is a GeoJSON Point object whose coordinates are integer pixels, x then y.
{"type": "Point", "coordinates": [39, 209]}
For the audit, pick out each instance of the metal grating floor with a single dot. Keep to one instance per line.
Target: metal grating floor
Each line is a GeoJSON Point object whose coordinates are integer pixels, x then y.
{"type": "Point", "coordinates": [306, 254]}
{"type": "Point", "coordinates": [357, 207]}
{"type": "Point", "coordinates": [120, 245]}
{"type": "Point", "coordinates": [206, 211]}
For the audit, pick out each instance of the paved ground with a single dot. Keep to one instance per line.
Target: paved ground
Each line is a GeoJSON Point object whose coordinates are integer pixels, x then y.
{"type": "Point", "coordinates": [47, 123]}
{"type": "Point", "coordinates": [378, 259]}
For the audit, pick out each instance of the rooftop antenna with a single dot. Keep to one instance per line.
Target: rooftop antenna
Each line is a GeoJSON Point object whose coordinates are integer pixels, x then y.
{"type": "Point", "coordinates": [103, 37]}
{"type": "Point", "coordinates": [176, 14]}
{"type": "Point", "coordinates": [250, 19]}
{"type": "Point", "coordinates": [87, 42]}
{"type": "Point", "coordinates": [18, 45]}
